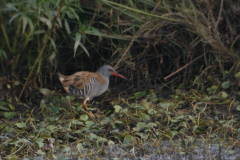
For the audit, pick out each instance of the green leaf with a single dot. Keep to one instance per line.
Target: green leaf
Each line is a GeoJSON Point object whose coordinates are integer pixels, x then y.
{"type": "Point", "coordinates": [78, 108]}
{"type": "Point", "coordinates": [181, 117]}
{"type": "Point", "coordinates": [165, 104]}
{"type": "Point", "coordinates": [106, 121]}
{"type": "Point", "coordinates": [79, 146]}
{"type": "Point", "coordinates": [12, 6]}
{"type": "Point", "coordinates": [30, 23]}
{"type": "Point", "coordinates": [237, 75]}
{"type": "Point", "coordinates": [8, 86]}
{"type": "Point", "coordinates": [76, 122]}
{"type": "Point", "coordinates": [21, 125]}
{"type": "Point", "coordinates": [231, 151]}
{"type": "Point", "coordinates": [153, 97]}
{"type": "Point", "coordinates": [214, 87]}
{"type": "Point", "coordinates": [181, 85]}
{"type": "Point", "coordinates": [16, 15]}
{"type": "Point", "coordinates": [151, 124]}
{"type": "Point", "coordinates": [145, 118]}
{"type": "Point", "coordinates": [53, 43]}
{"type": "Point", "coordinates": [84, 48]}
{"type": "Point", "coordinates": [12, 157]}
{"type": "Point", "coordinates": [3, 54]}
{"type": "Point", "coordinates": [89, 123]}
{"type": "Point", "coordinates": [134, 105]}
{"type": "Point", "coordinates": [24, 20]}
{"type": "Point", "coordinates": [238, 107]}
{"type": "Point", "coordinates": [46, 21]}
{"type": "Point", "coordinates": [141, 124]}
{"type": "Point", "coordinates": [179, 91]}
{"type": "Point", "coordinates": [136, 129]}
{"type": "Point", "coordinates": [61, 157]}
{"type": "Point", "coordinates": [117, 108]}
{"type": "Point", "coordinates": [52, 57]}
{"type": "Point", "coordinates": [92, 136]}
{"type": "Point", "coordinates": [41, 152]}
{"type": "Point", "coordinates": [54, 110]}
{"type": "Point", "coordinates": [226, 85]}
{"type": "Point", "coordinates": [127, 139]}
{"type": "Point", "coordinates": [45, 91]}
{"type": "Point", "coordinates": [210, 90]}
{"type": "Point", "coordinates": [39, 141]}
{"type": "Point", "coordinates": [59, 22]}
{"type": "Point", "coordinates": [16, 83]}
{"type": "Point", "coordinates": [77, 42]}
{"type": "Point", "coordinates": [51, 128]}
{"type": "Point", "coordinates": [140, 94]}
{"type": "Point", "coordinates": [67, 27]}
{"type": "Point", "coordinates": [142, 135]}
{"type": "Point", "coordinates": [119, 122]}
{"type": "Point", "coordinates": [3, 103]}
{"type": "Point", "coordinates": [9, 100]}
{"type": "Point", "coordinates": [224, 95]}
{"type": "Point", "coordinates": [102, 140]}
{"type": "Point", "coordinates": [68, 13]}
{"type": "Point", "coordinates": [11, 106]}
{"type": "Point", "coordinates": [84, 117]}
{"type": "Point", "coordinates": [152, 111]}
{"type": "Point", "coordinates": [111, 143]}
{"type": "Point", "coordinates": [4, 108]}
{"type": "Point", "coordinates": [42, 130]}
{"type": "Point", "coordinates": [74, 13]}
{"type": "Point", "coordinates": [67, 149]}
{"type": "Point", "coordinates": [9, 115]}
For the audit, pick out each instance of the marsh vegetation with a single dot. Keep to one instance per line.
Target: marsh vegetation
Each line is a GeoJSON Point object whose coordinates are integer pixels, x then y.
{"type": "Point", "coordinates": [181, 99]}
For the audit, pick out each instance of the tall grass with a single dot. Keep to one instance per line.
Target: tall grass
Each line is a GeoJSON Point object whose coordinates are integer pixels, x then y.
{"type": "Point", "coordinates": [151, 38]}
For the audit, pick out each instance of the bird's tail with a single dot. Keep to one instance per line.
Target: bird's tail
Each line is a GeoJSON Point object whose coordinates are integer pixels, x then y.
{"type": "Point", "coordinates": [60, 74]}
{"type": "Point", "coordinates": [61, 77]}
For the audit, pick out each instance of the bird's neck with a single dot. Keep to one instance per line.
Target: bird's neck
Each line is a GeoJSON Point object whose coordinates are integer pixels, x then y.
{"type": "Point", "coordinates": [106, 78]}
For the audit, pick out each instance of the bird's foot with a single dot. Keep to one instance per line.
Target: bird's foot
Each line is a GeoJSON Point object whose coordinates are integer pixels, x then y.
{"type": "Point", "coordinates": [91, 114]}
{"type": "Point", "coordinates": [98, 112]}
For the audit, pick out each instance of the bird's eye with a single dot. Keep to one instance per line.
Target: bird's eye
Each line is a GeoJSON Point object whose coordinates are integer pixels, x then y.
{"type": "Point", "coordinates": [110, 70]}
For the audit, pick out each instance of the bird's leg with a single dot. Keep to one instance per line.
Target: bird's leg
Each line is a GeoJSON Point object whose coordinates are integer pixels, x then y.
{"type": "Point", "coordinates": [85, 103]}
{"type": "Point", "coordinates": [99, 112]}
{"type": "Point", "coordinates": [85, 106]}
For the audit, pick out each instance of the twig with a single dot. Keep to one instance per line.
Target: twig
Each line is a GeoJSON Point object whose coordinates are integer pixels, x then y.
{"type": "Point", "coordinates": [183, 67]}
{"type": "Point", "coordinates": [219, 16]}
{"type": "Point", "coordinates": [129, 46]}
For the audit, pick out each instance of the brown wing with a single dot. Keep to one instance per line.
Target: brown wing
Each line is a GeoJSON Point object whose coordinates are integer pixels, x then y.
{"type": "Point", "coordinates": [79, 80]}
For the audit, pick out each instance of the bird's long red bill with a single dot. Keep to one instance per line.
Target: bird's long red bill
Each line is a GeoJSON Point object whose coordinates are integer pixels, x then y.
{"type": "Point", "coordinates": [119, 75]}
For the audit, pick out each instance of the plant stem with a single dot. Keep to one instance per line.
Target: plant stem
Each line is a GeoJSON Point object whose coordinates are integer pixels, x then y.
{"type": "Point", "coordinates": [4, 32]}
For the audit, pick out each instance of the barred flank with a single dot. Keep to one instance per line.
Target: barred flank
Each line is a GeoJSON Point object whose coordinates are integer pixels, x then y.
{"type": "Point", "coordinates": [82, 93]}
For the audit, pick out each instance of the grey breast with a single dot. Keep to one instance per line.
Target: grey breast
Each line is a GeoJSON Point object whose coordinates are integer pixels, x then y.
{"type": "Point", "coordinates": [98, 89]}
